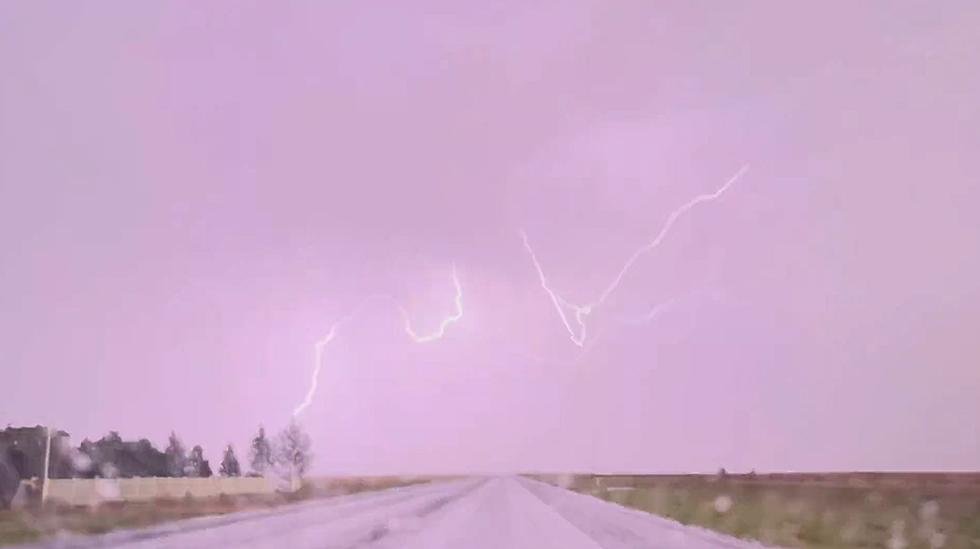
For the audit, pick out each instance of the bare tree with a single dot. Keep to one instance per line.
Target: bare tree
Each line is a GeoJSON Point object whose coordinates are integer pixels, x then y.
{"type": "Point", "coordinates": [260, 454]}
{"type": "Point", "coordinates": [229, 464]}
{"type": "Point", "coordinates": [293, 452]}
{"type": "Point", "coordinates": [176, 456]}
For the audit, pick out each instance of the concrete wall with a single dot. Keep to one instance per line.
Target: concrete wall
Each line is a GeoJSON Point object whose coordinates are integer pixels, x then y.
{"type": "Point", "coordinates": [86, 491]}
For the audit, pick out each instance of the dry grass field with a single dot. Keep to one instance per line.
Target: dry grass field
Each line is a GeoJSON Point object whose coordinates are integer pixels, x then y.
{"type": "Point", "coordinates": [834, 510]}
{"type": "Point", "coordinates": [34, 522]}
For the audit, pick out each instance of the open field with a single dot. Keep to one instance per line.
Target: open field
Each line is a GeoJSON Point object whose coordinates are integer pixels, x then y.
{"type": "Point", "coordinates": [832, 510]}
{"type": "Point", "coordinates": [501, 512]}
{"type": "Point", "coordinates": [823, 511]}
{"type": "Point", "coordinates": [34, 522]}
{"type": "Point", "coordinates": [339, 486]}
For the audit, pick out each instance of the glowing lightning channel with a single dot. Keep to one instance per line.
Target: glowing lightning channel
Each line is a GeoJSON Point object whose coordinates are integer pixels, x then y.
{"type": "Point", "coordinates": [321, 346]}
{"type": "Point", "coordinates": [322, 343]}
{"type": "Point", "coordinates": [317, 366]}
{"type": "Point", "coordinates": [441, 330]}
{"type": "Point", "coordinates": [581, 312]}
{"type": "Point", "coordinates": [559, 302]}
{"type": "Point", "coordinates": [666, 229]}
{"type": "Point", "coordinates": [655, 311]}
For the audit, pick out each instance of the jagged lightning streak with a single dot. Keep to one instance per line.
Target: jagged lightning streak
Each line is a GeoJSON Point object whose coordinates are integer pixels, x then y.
{"type": "Point", "coordinates": [317, 366]}
{"type": "Point", "coordinates": [654, 312]}
{"type": "Point", "coordinates": [559, 302]}
{"type": "Point", "coordinates": [322, 343]}
{"type": "Point", "coordinates": [321, 346]}
{"type": "Point", "coordinates": [441, 330]}
{"type": "Point", "coordinates": [664, 306]}
{"type": "Point", "coordinates": [581, 312]}
{"type": "Point", "coordinates": [671, 219]}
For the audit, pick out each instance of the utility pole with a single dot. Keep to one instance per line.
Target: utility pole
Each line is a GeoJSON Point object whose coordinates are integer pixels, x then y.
{"type": "Point", "coordinates": [47, 463]}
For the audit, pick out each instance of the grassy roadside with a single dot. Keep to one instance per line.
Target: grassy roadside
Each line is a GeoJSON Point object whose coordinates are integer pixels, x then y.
{"type": "Point", "coordinates": [34, 523]}
{"type": "Point", "coordinates": [888, 511]}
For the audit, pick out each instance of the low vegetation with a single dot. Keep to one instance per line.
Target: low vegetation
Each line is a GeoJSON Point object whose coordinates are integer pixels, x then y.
{"type": "Point", "coordinates": [879, 510]}
{"type": "Point", "coordinates": [339, 486]}
{"type": "Point", "coordinates": [34, 522]}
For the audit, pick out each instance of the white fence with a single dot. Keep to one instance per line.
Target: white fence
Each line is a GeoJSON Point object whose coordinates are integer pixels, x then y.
{"type": "Point", "coordinates": [90, 491]}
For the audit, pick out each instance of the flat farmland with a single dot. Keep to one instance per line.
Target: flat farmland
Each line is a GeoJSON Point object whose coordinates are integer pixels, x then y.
{"type": "Point", "coordinates": [820, 510]}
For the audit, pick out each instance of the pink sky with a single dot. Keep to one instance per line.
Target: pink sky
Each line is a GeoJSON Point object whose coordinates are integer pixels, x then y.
{"type": "Point", "coordinates": [191, 193]}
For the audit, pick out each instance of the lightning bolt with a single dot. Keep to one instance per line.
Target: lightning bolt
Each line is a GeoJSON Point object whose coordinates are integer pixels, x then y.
{"type": "Point", "coordinates": [674, 216]}
{"type": "Point", "coordinates": [655, 311]}
{"type": "Point", "coordinates": [664, 306]}
{"type": "Point", "coordinates": [582, 312]}
{"type": "Point", "coordinates": [321, 345]}
{"type": "Point", "coordinates": [446, 322]}
{"type": "Point", "coordinates": [317, 366]}
{"type": "Point", "coordinates": [560, 303]}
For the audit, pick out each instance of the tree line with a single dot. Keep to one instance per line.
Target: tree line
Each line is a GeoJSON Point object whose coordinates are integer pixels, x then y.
{"type": "Point", "coordinates": [288, 455]}
{"type": "Point", "coordinates": [23, 452]}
